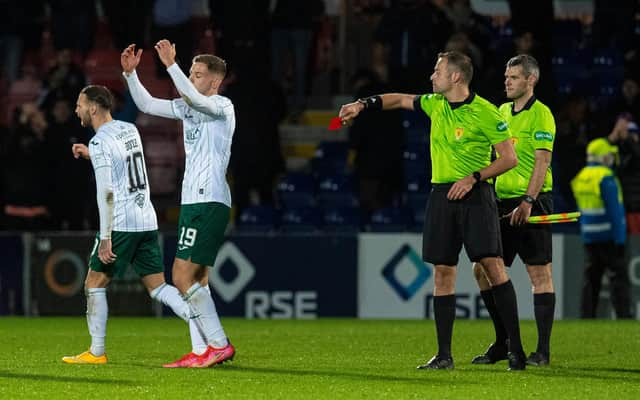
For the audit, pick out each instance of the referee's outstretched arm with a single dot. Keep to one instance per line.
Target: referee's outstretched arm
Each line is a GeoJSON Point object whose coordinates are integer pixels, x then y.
{"type": "Point", "coordinates": [388, 101]}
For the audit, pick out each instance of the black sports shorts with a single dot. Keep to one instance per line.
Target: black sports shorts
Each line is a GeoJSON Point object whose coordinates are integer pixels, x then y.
{"type": "Point", "coordinates": [449, 224]}
{"type": "Point", "coordinates": [531, 242]}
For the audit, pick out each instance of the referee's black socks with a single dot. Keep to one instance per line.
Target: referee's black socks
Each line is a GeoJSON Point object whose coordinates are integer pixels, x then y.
{"type": "Point", "coordinates": [490, 305]}
{"type": "Point", "coordinates": [444, 312]}
{"type": "Point", "coordinates": [507, 306]}
{"type": "Point", "coordinates": [544, 305]}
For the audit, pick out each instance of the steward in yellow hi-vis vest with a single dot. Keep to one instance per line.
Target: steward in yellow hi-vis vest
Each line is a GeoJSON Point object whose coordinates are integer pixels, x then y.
{"type": "Point", "coordinates": [604, 232]}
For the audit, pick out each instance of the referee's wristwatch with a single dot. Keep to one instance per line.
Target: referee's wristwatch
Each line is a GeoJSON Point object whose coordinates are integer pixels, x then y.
{"type": "Point", "coordinates": [477, 176]}
{"type": "Point", "coordinates": [528, 199]}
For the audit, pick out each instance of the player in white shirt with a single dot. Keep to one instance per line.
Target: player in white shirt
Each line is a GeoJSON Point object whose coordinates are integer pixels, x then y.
{"type": "Point", "coordinates": [208, 121]}
{"type": "Point", "coordinates": [128, 225]}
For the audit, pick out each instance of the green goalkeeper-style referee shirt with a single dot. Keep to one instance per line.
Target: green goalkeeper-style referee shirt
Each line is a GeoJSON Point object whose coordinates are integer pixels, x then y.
{"type": "Point", "coordinates": [533, 128]}
{"type": "Point", "coordinates": [461, 135]}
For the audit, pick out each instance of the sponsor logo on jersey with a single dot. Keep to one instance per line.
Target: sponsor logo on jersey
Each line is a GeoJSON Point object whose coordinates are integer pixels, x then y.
{"type": "Point", "coordinates": [192, 135]}
{"type": "Point", "coordinates": [502, 126]}
{"type": "Point", "coordinates": [543, 136]}
{"type": "Point", "coordinates": [139, 200]}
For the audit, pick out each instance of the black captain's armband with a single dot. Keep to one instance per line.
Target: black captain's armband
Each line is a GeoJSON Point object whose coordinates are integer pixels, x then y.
{"type": "Point", "coordinates": [371, 103]}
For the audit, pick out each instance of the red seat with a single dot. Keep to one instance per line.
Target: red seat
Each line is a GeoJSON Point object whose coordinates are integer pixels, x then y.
{"type": "Point", "coordinates": [102, 61]}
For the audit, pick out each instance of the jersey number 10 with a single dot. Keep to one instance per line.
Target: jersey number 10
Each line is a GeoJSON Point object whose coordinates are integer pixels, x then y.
{"type": "Point", "coordinates": [135, 167]}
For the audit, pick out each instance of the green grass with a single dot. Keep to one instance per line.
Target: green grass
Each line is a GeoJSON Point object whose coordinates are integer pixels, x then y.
{"type": "Point", "coordinates": [321, 359]}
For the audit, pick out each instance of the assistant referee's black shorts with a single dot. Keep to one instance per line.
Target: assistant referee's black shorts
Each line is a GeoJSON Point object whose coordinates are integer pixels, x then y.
{"type": "Point", "coordinates": [472, 222]}
{"type": "Point", "coordinates": [531, 242]}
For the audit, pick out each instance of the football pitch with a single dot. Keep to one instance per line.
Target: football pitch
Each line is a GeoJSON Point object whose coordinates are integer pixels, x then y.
{"type": "Point", "coordinates": [314, 359]}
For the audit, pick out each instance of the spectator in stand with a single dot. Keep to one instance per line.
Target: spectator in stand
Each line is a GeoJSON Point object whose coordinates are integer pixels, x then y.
{"type": "Point", "coordinates": [127, 20]}
{"type": "Point", "coordinates": [411, 33]}
{"type": "Point", "coordinates": [20, 31]}
{"type": "Point", "coordinates": [465, 19]}
{"type": "Point", "coordinates": [26, 173]}
{"type": "Point", "coordinates": [573, 133]}
{"type": "Point", "coordinates": [64, 76]}
{"type": "Point", "coordinates": [362, 17]}
{"type": "Point", "coordinates": [378, 142]}
{"type": "Point", "coordinates": [28, 87]}
{"type": "Point", "coordinates": [292, 25]}
{"type": "Point", "coordinates": [256, 156]}
{"type": "Point", "coordinates": [70, 177]}
{"type": "Point", "coordinates": [625, 136]}
{"type": "Point", "coordinates": [73, 24]}
{"type": "Point", "coordinates": [460, 42]}
{"type": "Point", "coordinates": [623, 113]}
{"type": "Point", "coordinates": [124, 108]}
{"type": "Point", "coordinates": [172, 19]}
{"type": "Point", "coordinates": [531, 21]}
{"type": "Point", "coordinates": [613, 24]}
{"type": "Point", "coordinates": [242, 26]}
{"type": "Point", "coordinates": [11, 37]}
{"type": "Point", "coordinates": [628, 102]}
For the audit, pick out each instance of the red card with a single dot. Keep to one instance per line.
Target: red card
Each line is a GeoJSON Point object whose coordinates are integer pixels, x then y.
{"type": "Point", "coordinates": [335, 124]}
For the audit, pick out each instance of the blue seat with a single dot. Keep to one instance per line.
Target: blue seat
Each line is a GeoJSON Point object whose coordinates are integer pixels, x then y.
{"type": "Point", "coordinates": [337, 190]}
{"type": "Point", "coordinates": [330, 158]}
{"type": "Point", "coordinates": [417, 221]}
{"type": "Point", "coordinates": [416, 190]}
{"type": "Point", "coordinates": [296, 190]}
{"type": "Point", "coordinates": [303, 220]}
{"type": "Point", "coordinates": [567, 33]}
{"type": "Point", "coordinates": [607, 65]}
{"type": "Point", "coordinates": [344, 219]}
{"type": "Point", "coordinates": [258, 219]}
{"type": "Point", "coordinates": [416, 162]}
{"type": "Point", "coordinates": [389, 219]}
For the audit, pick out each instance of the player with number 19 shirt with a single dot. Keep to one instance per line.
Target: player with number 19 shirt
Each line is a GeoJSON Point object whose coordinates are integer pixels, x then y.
{"type": "Point", "coordinates": [208, 121]}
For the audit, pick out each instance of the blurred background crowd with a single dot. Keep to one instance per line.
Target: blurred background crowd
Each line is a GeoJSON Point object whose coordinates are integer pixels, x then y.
{"type": "Point", "coordinates": [291, 64]}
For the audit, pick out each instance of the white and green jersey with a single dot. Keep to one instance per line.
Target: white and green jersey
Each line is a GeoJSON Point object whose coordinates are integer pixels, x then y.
{"type": "Point", "coordinates": [117, 148]}
{"type": "Point", "coordinates": [207, 147]}
{"type": "Point", "coordinates": [208, 125]}
{"type": "Point", "coordinates": [461, 135]}
{"type": "Point", "coordinates": [533, 128]}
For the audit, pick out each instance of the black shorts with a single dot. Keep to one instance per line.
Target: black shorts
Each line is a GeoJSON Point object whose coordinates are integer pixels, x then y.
{"type": "Point", "coordinates": [472, 222]}
{"type": "Point", "coordinates": [532, 242]}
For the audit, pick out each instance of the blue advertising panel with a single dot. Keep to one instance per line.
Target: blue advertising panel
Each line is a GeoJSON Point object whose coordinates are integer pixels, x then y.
{"type": "Point", "coordinates": [284, 277]}
{"type": "Point", "coordinates": [11, 248]}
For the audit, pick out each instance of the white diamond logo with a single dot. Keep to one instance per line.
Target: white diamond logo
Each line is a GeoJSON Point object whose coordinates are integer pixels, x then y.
{"type": "Point", "coordinates": [230, 290]}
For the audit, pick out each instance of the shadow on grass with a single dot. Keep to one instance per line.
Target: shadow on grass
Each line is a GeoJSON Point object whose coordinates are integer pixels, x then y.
{"type": "Point", "coordinates": [72, 379]}
{"type": "Point", "coordinates": [603, 374]}
{"type": "Point", "coordinates": [420, 378]}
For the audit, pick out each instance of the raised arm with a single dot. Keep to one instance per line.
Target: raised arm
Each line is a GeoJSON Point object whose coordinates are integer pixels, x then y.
{"type": "Point", "coordinates": [207, 105]}
{"type": "Point", "coordinates": [388, 101]}
{"type": "Point", "coordinates": [129, 60]}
